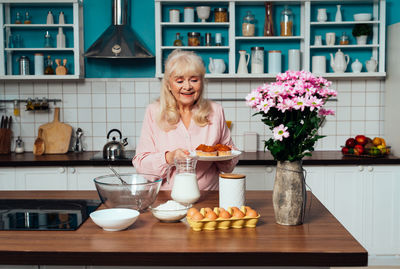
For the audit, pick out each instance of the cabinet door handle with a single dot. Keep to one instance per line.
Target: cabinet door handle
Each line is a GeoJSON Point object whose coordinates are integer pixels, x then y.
{"type": "Point", "coordinates": [370, 169]}
{"type": "Point", "coordinates": [360, 168]}
{"type": "Point", "coordinates": [72, 170]}
{"type": "Point", "coordinates": [61, 170]}
{"type": "Point", "coordinates": [269, 170]}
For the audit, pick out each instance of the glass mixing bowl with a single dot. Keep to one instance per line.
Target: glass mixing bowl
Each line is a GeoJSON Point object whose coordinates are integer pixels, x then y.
{"type": "Point", "coordinates": [139, 192]}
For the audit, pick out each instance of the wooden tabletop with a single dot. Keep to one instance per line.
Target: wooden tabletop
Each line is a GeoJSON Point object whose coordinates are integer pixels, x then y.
{"type": "Point", "coordinates": [320, 241]}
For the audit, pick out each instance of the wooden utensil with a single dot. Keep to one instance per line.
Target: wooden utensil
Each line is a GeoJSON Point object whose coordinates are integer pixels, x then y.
{"type": "Point", "coordinates": [61, 69]}
{"type": "Point", "coordinates": [39, 145]}
{"type": "Point", "coordinates": [56, 135]}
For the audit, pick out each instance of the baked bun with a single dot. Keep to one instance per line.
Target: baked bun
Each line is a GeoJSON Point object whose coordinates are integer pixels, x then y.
{"type": "Point", "coordinates": [223, 150]}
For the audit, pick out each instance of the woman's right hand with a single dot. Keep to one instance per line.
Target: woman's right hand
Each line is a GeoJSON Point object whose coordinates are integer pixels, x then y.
{"type": "Point", "coordinates": [170, 156]}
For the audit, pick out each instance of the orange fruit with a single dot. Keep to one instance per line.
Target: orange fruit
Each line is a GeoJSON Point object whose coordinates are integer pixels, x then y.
{"type": "Point", "coordinates": [377, 141]}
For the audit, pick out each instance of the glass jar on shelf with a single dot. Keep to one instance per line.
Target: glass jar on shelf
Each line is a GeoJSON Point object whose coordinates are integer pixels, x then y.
{"type": "Point", "coordinates": [194, 39]}
{"type": "Point", "coordinates": [48, 42]}
{"type": "Point", "coordinates": [286, 22]}
{"type": "Point", "coordinates": [178, 41]}
{"type": "Point", "coordinates": [48, 69]}
{"type": "Point", "coordinates": [220, 14]}
{"type": "Point", "coordinates": [18, 19]}
{"type": "Point", "coordinates": [344, 39]}
{"type": "Point", "coordinates": [27, 18]}
{"type": "Point", "coordinates": [248, 26]}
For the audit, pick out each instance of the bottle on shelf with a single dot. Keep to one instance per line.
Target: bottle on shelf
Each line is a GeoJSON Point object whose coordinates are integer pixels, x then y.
{"type": "Point", "coordinates": [61, 19]}
{"type": "Point", "coordinates": [269, 22]}
{"type": "Point", "coordinates": [286, 22]}
{"type": "Point", "coordinates": [218, 39]}
{"type": "Point", "coordinates": [18, 19]}
{"type": "Point", "coordinates": [27, 18]}
{"type": "Point", "coordinates": [48, 70]}
{"type": "Point", "coordinates": [50, 18]}
{"type": "Point", "coordinates": [47, 40]}
{"type": "Point", "coordinates": [344, 39]}
{"type": "Point", "coordinates": [60, 38]}
{"type": "Point", "coordinates": [178, 41]}
{"type": "Point", "coordinates": [338, 17]}
{"type": "Point", "coordinates": [248, 27]}
{"type": "Point", "coordinates": [208, 39]}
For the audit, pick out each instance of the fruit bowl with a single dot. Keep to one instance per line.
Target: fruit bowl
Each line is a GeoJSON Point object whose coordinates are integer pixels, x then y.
{"type": "Point", "coordinates": [373, 152]}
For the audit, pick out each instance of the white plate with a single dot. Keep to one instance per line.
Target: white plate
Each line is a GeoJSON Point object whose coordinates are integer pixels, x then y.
{"type": "Point", "coordinates": [234, 154]}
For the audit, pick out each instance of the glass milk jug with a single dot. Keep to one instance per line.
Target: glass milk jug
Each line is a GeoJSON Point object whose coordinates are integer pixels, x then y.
{"type": "Point", "coordinates": [185, 189]}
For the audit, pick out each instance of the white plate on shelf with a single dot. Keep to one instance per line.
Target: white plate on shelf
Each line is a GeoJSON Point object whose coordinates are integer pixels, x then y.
{"type": "Point", "coordinates": [234, 154]}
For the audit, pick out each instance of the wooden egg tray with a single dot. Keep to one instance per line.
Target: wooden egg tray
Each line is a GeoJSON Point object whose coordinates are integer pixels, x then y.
{"type": "Point", "coordinates": [220, 223]}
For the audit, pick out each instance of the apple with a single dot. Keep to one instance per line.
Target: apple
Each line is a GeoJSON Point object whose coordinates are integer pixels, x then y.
{"type": "Point", "coordinates": [358, 149]}
{"type": "Point", "coordinates": [350, 143]}
{"type": "Point", "coordinates": [361, 139]}
{"type": "Point", "coordinates": [345, 150]}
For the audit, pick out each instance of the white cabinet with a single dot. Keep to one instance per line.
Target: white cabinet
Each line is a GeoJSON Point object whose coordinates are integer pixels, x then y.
{"type": "Point", "coordinates": [43, 178]}
{"type": "Point", "coordinates": [306, 27]}
{"type": "Point", "coordinates": [257, 177]}
{"type": "Point", "coordinates": [7, 178]}
{"type": "Point", "coordinates": [32, 38]}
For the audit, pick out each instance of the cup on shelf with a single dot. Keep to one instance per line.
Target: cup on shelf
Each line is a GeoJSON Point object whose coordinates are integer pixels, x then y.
{"type": "Point", "coordinates": [174, 15]}
{"type": "Point", "coordinates": [188, 14]}
{"type": "Point", "coordinates": [330, 38]}
{"type": "Point", "coordinates": [318, 40]}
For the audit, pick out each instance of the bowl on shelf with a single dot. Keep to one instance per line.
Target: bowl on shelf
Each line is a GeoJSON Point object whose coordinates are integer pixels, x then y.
{"type": "Point", "coordinates": [114, 219]}
{"type": "Point", "coordinates": [169, 211]}
{"type": "Point", "coordinates": [203, 12]}
{"type": "Point", "coordinates": [139, 191]}
{"type": "Point", "coordinates": [362, 16]}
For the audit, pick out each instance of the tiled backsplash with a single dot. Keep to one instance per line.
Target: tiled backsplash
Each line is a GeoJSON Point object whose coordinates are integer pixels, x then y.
{"type": "Point", "coordinates": [99, 105]}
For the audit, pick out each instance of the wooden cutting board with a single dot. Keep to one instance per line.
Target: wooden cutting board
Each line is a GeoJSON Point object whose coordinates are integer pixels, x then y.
{"type": "Point", "coordinates": [56, 135]}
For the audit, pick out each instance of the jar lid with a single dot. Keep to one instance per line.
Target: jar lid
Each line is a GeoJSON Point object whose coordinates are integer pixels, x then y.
{"type": "Point", "coordinates": [275, 51]}
{"type": "Point", "coordinates": [38, 54]}
{"type": "Point", "coordinates": [232, 176]}
{"type": "Point", "coordinates": [257, 48]}
{"type": "Point", "coordinates": [188, 8]}
{"type": "Point", "coordinates": [173, 9]}
{"type": "Point", "coordinates": [219, 9]}
{"type": "Point", "coordinates": [193, 34]}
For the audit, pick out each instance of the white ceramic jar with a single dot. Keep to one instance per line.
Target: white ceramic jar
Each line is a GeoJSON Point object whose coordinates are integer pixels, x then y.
{"type": "Point", "coordinates": [174, 15]}
{"type": "Point", "coordinates": [188, 14]}
{"type": "Point", "coordinates": [356, 66]}
{"type": "Point", "coordinates": [39, 64]}
{"type": "Point", "coordinates": [274, 61]}
{"type": "Point", "coordinates": [294, 59]}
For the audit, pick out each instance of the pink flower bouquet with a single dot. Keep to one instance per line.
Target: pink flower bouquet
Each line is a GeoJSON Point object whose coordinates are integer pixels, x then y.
{"type": "Point", "coordinates": [292, 107]}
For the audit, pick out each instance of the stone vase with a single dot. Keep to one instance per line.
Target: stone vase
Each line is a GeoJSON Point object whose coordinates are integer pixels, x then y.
{"type": "Point", "coordinates": [289, 194]}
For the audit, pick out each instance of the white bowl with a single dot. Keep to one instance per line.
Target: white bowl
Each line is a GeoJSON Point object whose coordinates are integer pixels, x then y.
{"type": "Point", "coordinates": [203, 12]}
{"type": "Point", "coordinates": [169, 215]}
{"type": "Point", "coordinates": [114, 219]}
{"type": "Point", "coordinates": [362, 16]}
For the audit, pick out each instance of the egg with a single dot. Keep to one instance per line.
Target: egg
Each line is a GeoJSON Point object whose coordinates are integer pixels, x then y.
{"type": "Point", "coordinates": [223, 214]}
{"type": "Point", "coordinates": [251, 213]}
{"type": "Point", "coordinates": [211, 215]}
{"type": "Point", "coordinates": [197, 216]}
{"type": "Point", "coordinates": [192, 211]}
{"type": "Point", "coordinates": [237, 213]}
{"type": "Point", "coordinates": [207, 209]}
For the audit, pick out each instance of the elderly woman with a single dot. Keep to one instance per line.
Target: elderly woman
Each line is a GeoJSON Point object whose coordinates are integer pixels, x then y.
{"type": "Point", "coordinates": [180, 121]}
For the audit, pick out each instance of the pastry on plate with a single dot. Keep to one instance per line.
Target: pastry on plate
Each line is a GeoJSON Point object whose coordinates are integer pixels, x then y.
{"type": "Point", "coordinates": [223, 150]}
{"type": "Point", "coordinates": [204, 150]}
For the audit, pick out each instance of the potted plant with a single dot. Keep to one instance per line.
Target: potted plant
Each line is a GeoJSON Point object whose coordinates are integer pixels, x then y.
{"type": "Point", "coordinates": [292, 107]}
{"type": "Point", "coordinates": [361, 33]}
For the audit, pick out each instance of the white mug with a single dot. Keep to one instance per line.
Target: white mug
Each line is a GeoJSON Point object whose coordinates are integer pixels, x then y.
{"type": "Point", "coordinates": [318, 64]}
{"type": "Point", "coordinates": [330, 39]}
{"type": "Point", "coordinates": [318, 40]}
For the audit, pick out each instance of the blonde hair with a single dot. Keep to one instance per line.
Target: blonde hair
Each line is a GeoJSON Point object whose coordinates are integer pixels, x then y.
{"type": "Point", "coordinates": [182, 63]}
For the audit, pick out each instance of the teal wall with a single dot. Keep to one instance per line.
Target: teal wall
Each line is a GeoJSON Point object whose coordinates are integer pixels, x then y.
{"type": "Point", "coordinates": [97, 17]}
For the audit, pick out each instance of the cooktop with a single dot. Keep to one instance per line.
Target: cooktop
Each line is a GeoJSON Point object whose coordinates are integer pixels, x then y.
{"type": "Point", "coordinates": [45, 214]}
{"type": "Point", "coordinates": [128, 155]}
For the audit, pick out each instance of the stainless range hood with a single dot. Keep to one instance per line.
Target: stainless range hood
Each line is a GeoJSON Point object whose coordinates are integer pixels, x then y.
{"type": "Point", "coordinates": [118, 40]}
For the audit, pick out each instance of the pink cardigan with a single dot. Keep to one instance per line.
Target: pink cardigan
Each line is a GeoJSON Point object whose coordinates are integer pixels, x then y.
{"type": "Point", "coordinates": [154, 143]}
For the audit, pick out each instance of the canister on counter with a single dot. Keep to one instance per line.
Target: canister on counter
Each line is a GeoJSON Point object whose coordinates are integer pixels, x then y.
{"type": "Point", "coordinates": [220, 14]}
{"type": "Point", "coordinates": [232, 189]}
{"type": "Point", "coordinates": [39, 64]}
{"type": "Point", "coordinates": [194, 39]}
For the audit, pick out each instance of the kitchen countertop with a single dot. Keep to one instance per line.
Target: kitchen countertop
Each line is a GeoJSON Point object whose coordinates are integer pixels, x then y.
{"type": "Point", "coordinates": [91, 158]}
{"type": "Point", "coordinates": [320, 241]}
